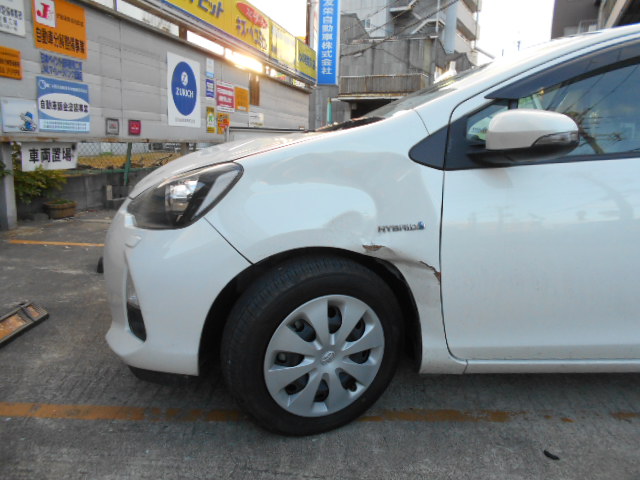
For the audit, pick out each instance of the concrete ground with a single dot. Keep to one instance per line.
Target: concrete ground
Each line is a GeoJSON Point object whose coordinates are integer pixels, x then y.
{"type": "Point", "coordinates": [69, 409]}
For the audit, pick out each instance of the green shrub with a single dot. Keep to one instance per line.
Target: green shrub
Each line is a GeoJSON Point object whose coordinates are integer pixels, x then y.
{"type": "Point", "coordinates": [36, 184]}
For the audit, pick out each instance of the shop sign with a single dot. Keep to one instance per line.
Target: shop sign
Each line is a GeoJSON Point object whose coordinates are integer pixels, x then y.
{"type": "Point", "coordinates": [10, 63]}
{"type": "Point", "coordinates": [211, 120]}
{"type": "Point", "coordinates": [60, 67]}
{"type": "Point", "coordinates": [329, 42]}
{"type": "Point", "coordinates": [19, 116]}
{"type": "Point", "coordinates": [283, 47]}
{"type": "Point", "coordinates": [183, 76]}
{"type": "Point", "coordinates": [242, 99]}
{"type": "Point", "coordinates": [236, 19]}
{"type": "Point", "coordinates": [224, 121]}
{"type": "Point", "coordinates": [306, 61]}
{"type": "Point", "coordinates": [210, 88]}
{"type": "Point", "coordinates": [50, 156]}
{"type": "Point", "coordinates": [226, 96]}
{"type": "Point", "coordinates": [12, 17]}
{"type": "Point", "coordinates": [60, 27]}
{"type": "Point", "coordinates": [63, 106]}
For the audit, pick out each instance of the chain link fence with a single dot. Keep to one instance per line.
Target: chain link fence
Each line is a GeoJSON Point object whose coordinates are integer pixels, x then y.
{"type": "Point", "coordinates": [121, 156]}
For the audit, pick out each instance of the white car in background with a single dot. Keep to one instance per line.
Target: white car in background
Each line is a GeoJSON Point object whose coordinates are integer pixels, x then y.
{"type": "Point", "coordinates": [490, 223]}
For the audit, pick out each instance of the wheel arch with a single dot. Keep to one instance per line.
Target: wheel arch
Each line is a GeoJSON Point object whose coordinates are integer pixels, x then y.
{"type": "Point", "coordinates": [219, 311]}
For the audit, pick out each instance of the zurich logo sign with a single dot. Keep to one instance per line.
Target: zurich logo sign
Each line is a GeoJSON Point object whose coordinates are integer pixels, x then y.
{"type": "Point", "coordinates": [184, 89]}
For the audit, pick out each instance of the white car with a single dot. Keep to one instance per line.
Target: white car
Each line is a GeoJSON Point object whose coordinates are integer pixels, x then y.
{"type": "Point", "coordinates": [490, 223]}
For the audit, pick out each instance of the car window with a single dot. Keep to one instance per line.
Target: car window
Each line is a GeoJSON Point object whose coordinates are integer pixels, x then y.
{"type": "Point", "coordinates": [599, 103]}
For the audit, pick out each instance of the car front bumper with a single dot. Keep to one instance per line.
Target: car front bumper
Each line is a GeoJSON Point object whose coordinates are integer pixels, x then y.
{"type": "Point", "coordinates": [177, 275]}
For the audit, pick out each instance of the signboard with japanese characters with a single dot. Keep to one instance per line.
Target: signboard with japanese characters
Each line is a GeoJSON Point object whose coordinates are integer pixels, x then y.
{"type": "Point", "coordinates": [224, 121]}
{"type": "Point", "coordinates": [60, 67]}
{"type": "Point", "coordinates": [63, 106]}
{"type": "Point", "coordinates": [10, 63]}
{"type": "Point", "coordinates": [329, 42]}
{"type": "Point", "coordinates": [242, 99]}
{"type": "Point", "coordinates": [183, 78]}
{"type": "Point", "coordinates": [19, 116]}
{"type": "Point", "coordinates": [306, 60]}
{"type": "Point", "coordinates": [12, 17]}
{"type": "Point", "coordinates": [60, 27]}
{"type": "Point", "coordinates": [210, 88]}
{"type": "Point", "coordinates": [50, 156]}
{"type": "Point", "coordinates": [240, 20]}
{"type": "Point", "coordinates": [226, 96]}
{"type": "Point", "coordinates": [283, 46]}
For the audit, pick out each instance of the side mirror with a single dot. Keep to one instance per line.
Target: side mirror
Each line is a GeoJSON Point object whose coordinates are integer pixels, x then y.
{"type": "Point", "coordinates": [531, 135]}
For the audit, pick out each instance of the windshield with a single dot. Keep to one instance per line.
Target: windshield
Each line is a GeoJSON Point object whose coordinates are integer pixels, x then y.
{"type": "Point", "coordinates": [422, 96]}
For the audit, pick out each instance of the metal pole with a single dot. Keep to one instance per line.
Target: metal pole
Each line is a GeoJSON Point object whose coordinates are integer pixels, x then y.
{"type": "Point", "coordinates": [127, 165]}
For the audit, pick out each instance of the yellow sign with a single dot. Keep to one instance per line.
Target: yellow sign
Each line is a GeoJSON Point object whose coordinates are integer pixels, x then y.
{"type": "Point", "coordinates": [240, 20]}
{"type": "Point", "coordinates": [211, 120]}
{"type": "Point", "coordinates": [306, 60]}
{"type": "Point", "coordinates": [10, 64]}
{"type": "Point", "coordinates": [242, 99]}
{"type": "Point", "coordinates": [60, 27]}
{"type": "Point", "coordinates": [283, 46]}
{"type": "Point", "coordinates": [224, 120]}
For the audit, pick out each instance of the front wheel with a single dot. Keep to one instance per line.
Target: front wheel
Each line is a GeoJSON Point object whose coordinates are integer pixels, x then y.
{"type": "Point", "coordinates": [311, 345]}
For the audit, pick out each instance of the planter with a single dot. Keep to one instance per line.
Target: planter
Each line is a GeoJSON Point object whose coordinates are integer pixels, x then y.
{"type": "Point", "coordinates": [60, 210]}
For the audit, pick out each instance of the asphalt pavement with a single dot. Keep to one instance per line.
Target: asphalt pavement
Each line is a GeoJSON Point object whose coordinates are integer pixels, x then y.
{"type": "Point", "coordinates": [70, 409]}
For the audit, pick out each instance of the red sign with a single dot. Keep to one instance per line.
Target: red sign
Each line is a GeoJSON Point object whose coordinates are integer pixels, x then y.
{"type": "Point", "coordinates": [135, 127]}
{"type": "Point", "coordinates": [226, 95]}
{"type": "Point", "coordinates": [253, 15]}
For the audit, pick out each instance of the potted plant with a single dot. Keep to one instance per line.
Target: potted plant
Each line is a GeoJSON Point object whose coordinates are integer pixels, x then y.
{"type": "Point", "coordinates": [60, 208]}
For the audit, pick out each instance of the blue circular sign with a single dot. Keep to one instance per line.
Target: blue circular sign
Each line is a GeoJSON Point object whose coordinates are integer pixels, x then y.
{"type": "Point", "coordinates": [184, 89]}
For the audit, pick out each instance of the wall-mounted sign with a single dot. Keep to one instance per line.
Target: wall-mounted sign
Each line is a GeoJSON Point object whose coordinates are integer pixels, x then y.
{"type": "Point", "coordinates": [256, 119]}
{"type": "Point", "coordinates": [329, 42]}
{"type": "Point", "coordinates": [10, 63]}
{"type": "Point", "coordinates": [210, 68]}
{"type": "Point", "coordinates": [135, 127]}
{"type": "Point", "coordinates": [60, 67]}
{"type": "Point", "coordinates": [50, 156]}
{"type": "Point", "coordinates": [12, 17]}
{"type": "Point", "coordinates": [63, 106]}
{"type": "Point", "coordinates": [210, 88]}
{"type": "Point", "coordinates": [112, 126]}
{"type": "Point", "coordinates": [242, 99]}
{"type": "Point", "coordinates": [60, 27]}
{"type": "Point", "coordinates": [19, 116]}
{"type": "Point", "coordinates": [183, 77]}
{"type": "Point", "coordinates": [211, 120]}
{"type": "Point", "coordinates": [306, 60]}
{"type": "Point", "coordinates": [283, 46]}
{"type": "Point", "coordinates": [224, 121]}
{"type": "Point", "coordinates": [226, 96]}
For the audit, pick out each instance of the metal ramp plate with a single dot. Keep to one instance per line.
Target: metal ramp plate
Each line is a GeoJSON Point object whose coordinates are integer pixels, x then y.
{"type": "Point", "coordinates": [19, 320]}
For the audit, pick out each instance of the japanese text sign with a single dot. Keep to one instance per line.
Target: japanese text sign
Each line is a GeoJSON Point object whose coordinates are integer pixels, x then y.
{"type": "Point", "coordinates": [50, 156]}
{"type": "Point", "coordinates": [12, 17]}
{"type": "Point", "coordinates": [10, 64]}
{"type": "Point", "coordinates": [60, 27]}
{"type": "Point", "coordinates": [226, 95]}
{"type": "Point", "coordinates": [63, 106]}
{"type": "Point", "coordinates": [329, 42]}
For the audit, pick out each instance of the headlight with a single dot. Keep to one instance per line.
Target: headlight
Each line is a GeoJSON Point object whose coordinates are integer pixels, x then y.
{"type": "Point", "coordinates": [183, 199]}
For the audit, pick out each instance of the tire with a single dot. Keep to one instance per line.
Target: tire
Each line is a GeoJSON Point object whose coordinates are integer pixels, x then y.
{"type": "Point", "coordinates": [311, 345]}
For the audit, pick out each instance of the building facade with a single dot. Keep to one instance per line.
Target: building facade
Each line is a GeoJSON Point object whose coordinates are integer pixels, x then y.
{"type": "Point", "coordinates": [390, 48]}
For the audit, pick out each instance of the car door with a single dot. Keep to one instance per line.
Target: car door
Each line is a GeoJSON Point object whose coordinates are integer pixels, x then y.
{"type": "Point", "coordinates": [540, 258]}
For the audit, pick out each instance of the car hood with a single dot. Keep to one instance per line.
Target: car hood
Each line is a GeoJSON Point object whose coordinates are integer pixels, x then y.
{"type": "Point", "coordinates": [222, 153]}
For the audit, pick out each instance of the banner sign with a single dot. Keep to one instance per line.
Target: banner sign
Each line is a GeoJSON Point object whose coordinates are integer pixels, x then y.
{"type": "Point", "coordinates": [63, 106]}
{"type": "Point", "coordinates": [283, 47]}
{"type": "Point", "coordinates": [50, 156]}
{"type": "Point", "coordinates": [210, 88]}
{"type": "Point", "coordinates": [60, 67]}
{"type": "Point", "coordinates": [60, 27]}
{"type": "Point", "coordinates": [19, 116]}
{"type": "Point", "coordinates": [183, 77]}
{"type": "Point", "coordinates": [12, 17]}
{"type": "Point", "coordinates": [226, 95]}
{"type": "Point", "coordinates": [10, 63]}
{"type": "Point", "coordinates": [329, 42]}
